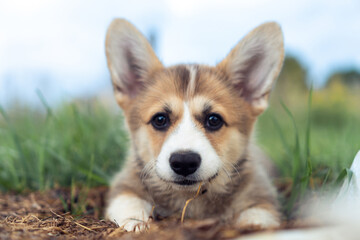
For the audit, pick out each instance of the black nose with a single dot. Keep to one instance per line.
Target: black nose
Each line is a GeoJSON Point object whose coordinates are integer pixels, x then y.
{"type": "Point", "coordinates": [185, 163]}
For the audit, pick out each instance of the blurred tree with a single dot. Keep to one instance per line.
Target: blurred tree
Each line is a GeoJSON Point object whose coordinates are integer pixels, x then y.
{"type": "Point", "coordinates": [291, 83]}
{"type": "Point", "coordinates": [350, 78]}
{"type": "Point", "coordinates": [293, 75]}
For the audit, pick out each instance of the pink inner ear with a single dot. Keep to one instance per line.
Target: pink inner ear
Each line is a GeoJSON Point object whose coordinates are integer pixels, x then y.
{"type": "Point", "coordinates": [250, 77]}
{"type": "Point", "coordinates": [132, 75]}
{"type": "Point", "coordinates": [130, 58]}
{"type": "Point", "coordinates": [255, 61]}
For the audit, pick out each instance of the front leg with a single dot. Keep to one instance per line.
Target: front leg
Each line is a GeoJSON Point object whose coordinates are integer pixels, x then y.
{"type": "Point", "coordinates": [129, 211]}
{"type": "Point", "coordinates": [259, 217]}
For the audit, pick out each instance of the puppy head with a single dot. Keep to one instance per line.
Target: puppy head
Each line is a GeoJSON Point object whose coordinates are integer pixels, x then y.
{"type": "Point", "coordinates": [192, 123]}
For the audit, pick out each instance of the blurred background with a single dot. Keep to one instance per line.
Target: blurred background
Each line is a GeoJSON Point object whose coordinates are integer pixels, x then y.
{"type": "Point", "coordinates": [58, 47]}
{"type": "Point", "coordinates": [59, 123]}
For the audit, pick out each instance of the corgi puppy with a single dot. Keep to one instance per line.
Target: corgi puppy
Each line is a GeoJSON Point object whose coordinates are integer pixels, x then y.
{"type": "Point", "coordinates": [192, 124]}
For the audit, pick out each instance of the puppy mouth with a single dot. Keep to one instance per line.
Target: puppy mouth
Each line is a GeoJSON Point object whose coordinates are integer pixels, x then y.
{"type": "Point", "coordinates": [185, 182]}
{"type": "Point", "coordinates": [189, 182]}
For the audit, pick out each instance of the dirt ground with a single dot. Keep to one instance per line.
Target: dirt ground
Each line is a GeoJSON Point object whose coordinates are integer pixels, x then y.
{"type": "Point", "coordinates": [52, 215]}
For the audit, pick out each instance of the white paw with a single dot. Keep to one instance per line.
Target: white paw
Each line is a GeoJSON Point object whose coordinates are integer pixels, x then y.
{"type": "Point", "coordinates": [134, 225]}
{"type": "Point", "coordinates": [129, 212]}
{"type": "Point", "coordinates": [258, 218]}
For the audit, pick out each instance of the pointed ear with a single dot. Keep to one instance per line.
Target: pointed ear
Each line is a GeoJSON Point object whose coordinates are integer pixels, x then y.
{"type": "Point", "coordinates": [130, 59]}
{"type": "Point", "coordinates": [254, 63]}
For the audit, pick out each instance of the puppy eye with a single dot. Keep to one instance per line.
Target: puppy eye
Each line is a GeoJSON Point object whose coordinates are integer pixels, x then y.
{"type": "Point", "coordinates": [214, 122]}
{"type": "Point", "coordinates": [160, 121]}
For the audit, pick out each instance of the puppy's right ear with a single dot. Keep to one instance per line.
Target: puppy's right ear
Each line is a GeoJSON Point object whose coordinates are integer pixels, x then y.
{"type": "Point", "coordinates": [130, 60]}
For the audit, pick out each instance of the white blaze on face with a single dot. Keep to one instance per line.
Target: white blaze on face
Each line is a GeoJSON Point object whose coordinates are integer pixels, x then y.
{"type": "Point", "coordinates": [191, 86]}
{"type": "Point", "coordinates": [187, 137]}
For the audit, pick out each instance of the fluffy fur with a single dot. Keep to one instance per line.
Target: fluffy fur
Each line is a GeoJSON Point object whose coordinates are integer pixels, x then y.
{"type": "Point", "coordinates": [236, 186]}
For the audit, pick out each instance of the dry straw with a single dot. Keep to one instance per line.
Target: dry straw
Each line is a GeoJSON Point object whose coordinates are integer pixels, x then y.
{"type": "Point", "coordinates": [188, 201]}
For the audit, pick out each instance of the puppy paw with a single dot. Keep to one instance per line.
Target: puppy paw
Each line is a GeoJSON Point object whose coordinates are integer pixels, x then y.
{"type": "Point", "coordinates": [134, 225]}
{"type": "Point", "coordinates": [258, 219]}
{"type": "Point", "coordinates": [129, 212]}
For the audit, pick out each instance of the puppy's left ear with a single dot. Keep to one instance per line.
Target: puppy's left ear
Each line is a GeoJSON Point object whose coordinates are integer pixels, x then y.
{"type": "Point", "coordinates": [254, 63]}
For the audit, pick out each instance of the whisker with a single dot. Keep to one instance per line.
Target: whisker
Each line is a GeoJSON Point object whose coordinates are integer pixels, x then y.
{"type": "Point", "coordinates": [145, 172]}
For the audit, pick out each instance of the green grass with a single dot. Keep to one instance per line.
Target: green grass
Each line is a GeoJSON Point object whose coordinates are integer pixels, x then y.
{"type": "Point", "coordinates": [332, 144]}
{"type": "Point", "coordinates": [82, 142]}
{"type": "Point", "coordinates": [85, 144]}
{"type": "Point", "coordinates": [313, 149]}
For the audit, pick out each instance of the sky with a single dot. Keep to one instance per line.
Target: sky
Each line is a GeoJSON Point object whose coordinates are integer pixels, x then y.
{"type": "Point", "coordinates": [57, 46]}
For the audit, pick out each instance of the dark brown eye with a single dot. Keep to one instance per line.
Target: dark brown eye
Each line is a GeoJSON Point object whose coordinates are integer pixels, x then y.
{"type": "Point", "coordinates": [213, 122]}
{"type": "Point", "coordinates": [160, 121]}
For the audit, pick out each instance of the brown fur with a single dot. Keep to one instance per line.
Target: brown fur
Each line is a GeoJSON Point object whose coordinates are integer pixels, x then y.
{"type": "Point", "coordinates": [237, 115]}
{"type": "Point", "coordinates": [241, 184]}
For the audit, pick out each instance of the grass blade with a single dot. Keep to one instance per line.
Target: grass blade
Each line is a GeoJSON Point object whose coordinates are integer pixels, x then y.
{"type": "Point", "coordinates": [296, 152]}
{"type": "Point", "coordinates": [45, 103]}
{"type": "Point", "coordinates": [307, 138]}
